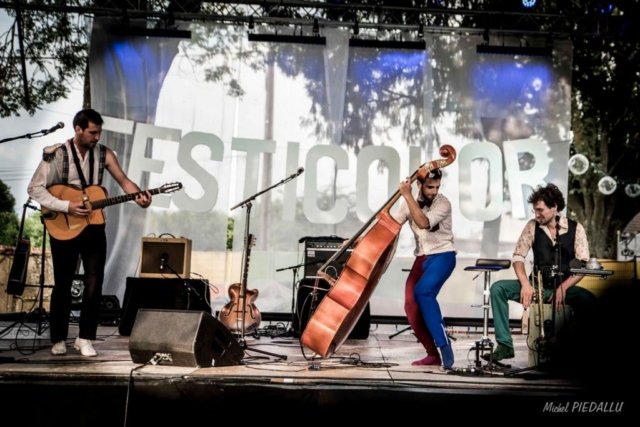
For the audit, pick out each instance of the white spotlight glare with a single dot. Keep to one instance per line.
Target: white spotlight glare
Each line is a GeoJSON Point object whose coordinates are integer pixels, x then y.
{"type": "Point", "coordinates": [607, 185]}
{"type": "Point", "coordinates": [632, 190]}
{"type": "Point", "coordinates": [578, 164]}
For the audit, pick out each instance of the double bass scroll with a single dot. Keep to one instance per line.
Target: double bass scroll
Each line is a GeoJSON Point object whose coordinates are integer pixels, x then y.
{"type": "Point", "coordinates": [337, 314]}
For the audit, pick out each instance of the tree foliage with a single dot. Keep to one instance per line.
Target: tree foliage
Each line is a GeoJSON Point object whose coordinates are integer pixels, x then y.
{"type": "Point", "coordinates": [10, 223]}
{"type": "Point", "coordinates": [8, 220]}
{"type": "Point", "coordinates": [606, 125]}
{"type": "Point", "coordinates": [55, 47]}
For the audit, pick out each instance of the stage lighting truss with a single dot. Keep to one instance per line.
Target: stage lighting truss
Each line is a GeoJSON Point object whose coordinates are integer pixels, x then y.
{"type": "Point", "coordinates": [435, 17]}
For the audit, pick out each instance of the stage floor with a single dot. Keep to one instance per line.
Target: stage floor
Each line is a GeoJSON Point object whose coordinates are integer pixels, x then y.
{"type": "Point", "coordinates": [368, 379]}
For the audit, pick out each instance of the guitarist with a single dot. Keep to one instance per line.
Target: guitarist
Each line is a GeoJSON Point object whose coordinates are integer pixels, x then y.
{"type": "Point", "coordinates": [80, 162]}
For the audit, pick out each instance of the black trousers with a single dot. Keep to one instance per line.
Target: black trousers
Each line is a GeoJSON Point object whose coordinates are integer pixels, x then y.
{"type": "Point", "coordinates": [91, 247]}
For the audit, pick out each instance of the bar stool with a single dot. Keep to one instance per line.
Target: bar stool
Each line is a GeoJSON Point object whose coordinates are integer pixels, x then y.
{"type": "Point", "coordinates": [486, 266]}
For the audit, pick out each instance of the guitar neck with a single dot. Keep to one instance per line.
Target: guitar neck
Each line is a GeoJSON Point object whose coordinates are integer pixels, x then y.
{"type": "Point", "coordinates": [98, 204]}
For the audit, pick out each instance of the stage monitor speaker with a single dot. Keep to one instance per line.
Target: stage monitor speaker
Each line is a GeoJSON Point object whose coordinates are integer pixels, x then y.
{"type": "Point", "coordinates": [182, 338]}
{"type": "Point", "coordinates": [160, 257]}
{"type": "Point", "coordinates": [304, 305]}
{"type": "Point", "coordinates": [18, 272]}
{"type": "Point", "coordinates": [161, 294]}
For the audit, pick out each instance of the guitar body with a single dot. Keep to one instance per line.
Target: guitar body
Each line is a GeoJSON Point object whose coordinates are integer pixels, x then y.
{"type": "Point", "coordinates": [240, 311]}
{"type": "Point", "coordinates": [240, 315]}
{"type": "Point", "coordinates": [65, 226]}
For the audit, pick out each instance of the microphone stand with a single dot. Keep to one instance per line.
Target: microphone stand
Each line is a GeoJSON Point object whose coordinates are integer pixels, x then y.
{"type": "Point", "coordinates": [41, 312]}
{"type": "Point", "coordinates": [247, 236]}
{"type": "Point", "coordinates": [549, 327]}
{"type": "Point", "coordinates": [38, 134]}
{"type": "Point", "coordinates": [558, 276]}
{"type": "Point", "coordinates": [187, 285]}
{"type": "Point", "coordinates": [293, 293]}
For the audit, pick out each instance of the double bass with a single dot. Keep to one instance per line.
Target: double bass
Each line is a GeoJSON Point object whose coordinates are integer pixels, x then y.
{"type": "Point", "coordinates": [336, 315]}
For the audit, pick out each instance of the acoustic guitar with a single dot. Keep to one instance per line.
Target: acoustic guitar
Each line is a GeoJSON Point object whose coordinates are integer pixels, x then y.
{"type": "Point", "coordinates": [66, 226]}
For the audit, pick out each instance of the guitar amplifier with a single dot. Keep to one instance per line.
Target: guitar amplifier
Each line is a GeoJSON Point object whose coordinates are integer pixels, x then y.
{"type": "Point", "coordinates": [161, 257]}
{"type": "Point", "coordinates": [318, 252]}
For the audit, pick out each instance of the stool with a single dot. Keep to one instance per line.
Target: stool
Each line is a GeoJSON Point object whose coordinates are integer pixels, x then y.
{"type": "Point", "coordinates": [486, 266]}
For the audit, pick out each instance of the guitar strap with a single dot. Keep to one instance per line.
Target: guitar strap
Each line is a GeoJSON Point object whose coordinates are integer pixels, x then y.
{"type": "Point", "coordinates": [76, 160]}
{"type": "Point", "coordinates": [103, 157]}
{"type": "Point", "coordinates": [65, 163]}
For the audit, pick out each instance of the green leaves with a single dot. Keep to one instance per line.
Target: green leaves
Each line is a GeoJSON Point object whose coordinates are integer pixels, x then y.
{"type": "Point", "coordinates": [55, 49]}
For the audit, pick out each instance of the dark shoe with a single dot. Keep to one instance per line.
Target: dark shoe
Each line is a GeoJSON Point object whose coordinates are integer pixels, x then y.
{"type": "Point", "coordinates": [502, 352]}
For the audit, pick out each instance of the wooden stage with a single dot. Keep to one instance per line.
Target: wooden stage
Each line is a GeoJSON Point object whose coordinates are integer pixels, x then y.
{"type": "Point", "coordinates": [278, 381]}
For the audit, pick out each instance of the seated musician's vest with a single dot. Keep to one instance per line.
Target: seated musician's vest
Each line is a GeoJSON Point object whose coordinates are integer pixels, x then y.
{"type": "Point", "coordinates": [545, 254]}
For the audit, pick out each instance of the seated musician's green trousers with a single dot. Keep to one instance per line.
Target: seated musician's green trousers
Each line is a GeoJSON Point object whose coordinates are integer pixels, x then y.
{"type": "Point", "coordinates": [579, 299]}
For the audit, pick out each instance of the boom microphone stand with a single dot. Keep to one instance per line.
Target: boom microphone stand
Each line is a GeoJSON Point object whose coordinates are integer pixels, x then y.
{"type": "Point", "coordinates": [294, 268]}
{"type": "Point", "coordinates": [245, 261]}
{"type": "Point", "coordinates": [548, 326]}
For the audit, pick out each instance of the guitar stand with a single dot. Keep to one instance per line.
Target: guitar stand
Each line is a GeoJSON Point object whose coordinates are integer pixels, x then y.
{"type": "Point", "coordinates": [484, 344]}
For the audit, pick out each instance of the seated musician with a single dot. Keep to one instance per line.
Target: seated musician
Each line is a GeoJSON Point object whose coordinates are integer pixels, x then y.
{"type": "Point", "coordinates": [541, 235]}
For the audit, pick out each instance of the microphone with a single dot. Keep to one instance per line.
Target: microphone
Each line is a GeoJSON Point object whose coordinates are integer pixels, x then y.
{"type": "Point", "coordinates": [575, 264]}
{"type": "Point", "coordinates": [298, 173]}
{"type": "Point", "coordinates": [163, 260]}
{"type": "Point", "coordinates": [60, 125]}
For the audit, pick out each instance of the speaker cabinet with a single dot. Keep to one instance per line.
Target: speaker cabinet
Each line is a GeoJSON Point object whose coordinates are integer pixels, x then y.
{"type": "Point", "coordinates": [18, 273]}
{"type": "Point", "coordinates": [162, 256]}
{"type": "Point", "coordinates": [183, 338]}
{"type": "Point", "coordinates": [316, 257]}
{"type": "Point", "coordinates": [161, 294]}
{"type": "Point", "coordinates": [305, 304]}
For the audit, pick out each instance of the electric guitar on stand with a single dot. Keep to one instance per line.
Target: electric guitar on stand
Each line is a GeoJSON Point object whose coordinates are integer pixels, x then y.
{"type": "Point", "coordinates": [65, 226]}
{"type": "Point", "coordinates": [240, 315]}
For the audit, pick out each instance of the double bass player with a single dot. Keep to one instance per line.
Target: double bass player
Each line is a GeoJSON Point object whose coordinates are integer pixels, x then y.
{"type": "Point", "coordinates": [336, 315]}
{"type": "Point", "coordinates": [429, 216]}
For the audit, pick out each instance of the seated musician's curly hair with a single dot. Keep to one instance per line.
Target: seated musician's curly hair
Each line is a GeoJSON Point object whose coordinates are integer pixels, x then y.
{"type": "Point", "coordinates": [550, 195]}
